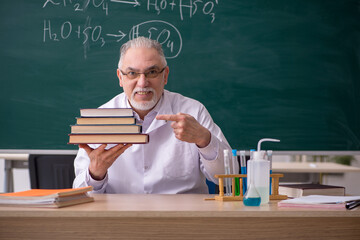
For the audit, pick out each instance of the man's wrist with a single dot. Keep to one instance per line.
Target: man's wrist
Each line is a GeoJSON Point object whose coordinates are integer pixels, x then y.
{"type": "Point", "coordinates": [210, 152]}
{"type": "Point", "coordinates": [205, 140]}
{"type": "Point", "coordinates": [97, 177]}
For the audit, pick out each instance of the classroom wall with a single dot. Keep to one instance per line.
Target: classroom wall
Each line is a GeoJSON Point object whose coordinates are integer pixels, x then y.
{"type": "Point", "coordinates": [21, 178]}
{"type": "Point", "coordinates": [349, 180]}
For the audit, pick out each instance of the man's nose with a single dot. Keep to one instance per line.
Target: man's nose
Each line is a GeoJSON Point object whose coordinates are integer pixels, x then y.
{"type": "Point", "coordinates": [142, 81]}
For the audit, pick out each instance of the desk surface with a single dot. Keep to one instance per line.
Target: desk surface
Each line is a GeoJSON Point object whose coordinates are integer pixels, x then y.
{"type": "Point", "coordinates": [181, 205]}
{"type": "Point", "coordinates": [312, 167]}
{"type": "Point", "coordinates": [175, 217]}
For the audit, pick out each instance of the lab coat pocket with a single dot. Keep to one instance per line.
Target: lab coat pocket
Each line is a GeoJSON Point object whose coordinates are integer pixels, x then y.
{"type": "Point", "coordinates": [181, 162]}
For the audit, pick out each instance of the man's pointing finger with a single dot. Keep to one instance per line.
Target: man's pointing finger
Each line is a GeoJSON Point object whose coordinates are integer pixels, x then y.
{"type": "Point", "coordinates": [167, 117]}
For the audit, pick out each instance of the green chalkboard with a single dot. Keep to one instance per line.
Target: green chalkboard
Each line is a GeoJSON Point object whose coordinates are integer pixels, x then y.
{"type": "Point", "coordinates": [280, 69]}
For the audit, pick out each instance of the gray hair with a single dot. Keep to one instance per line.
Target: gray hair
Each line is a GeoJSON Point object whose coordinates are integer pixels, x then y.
{"type": "Point", "coordinates": [141, 42]}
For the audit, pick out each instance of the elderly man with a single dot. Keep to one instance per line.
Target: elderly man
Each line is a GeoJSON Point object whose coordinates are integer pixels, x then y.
{"type": "Point", "coordinates": [185, 147]}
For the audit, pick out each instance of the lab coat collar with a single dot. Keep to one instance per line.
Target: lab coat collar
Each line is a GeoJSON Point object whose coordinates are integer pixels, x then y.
{"type": "Point", "coordinates": [162, 107]}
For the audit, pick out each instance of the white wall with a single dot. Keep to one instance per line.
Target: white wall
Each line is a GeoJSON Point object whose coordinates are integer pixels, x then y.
{"type": "Point", "coordinates": [351, 180]}
{"type": "Point", "coordinates": [21, 178]}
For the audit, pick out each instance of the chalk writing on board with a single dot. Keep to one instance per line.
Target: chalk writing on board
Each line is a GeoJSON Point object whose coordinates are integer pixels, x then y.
{"type": "Point", "coordinates": [183, 7]}
{"type": "Point", "coordinates": [165, 33]}
{"type": "Point", "coordinates": [134, 2]}
{"type": "Point", "coordinates": [93, 34]}
{"type": "Point", "coordinates": [86, 33]}
{"type": "Point", "coordinates": [188, 7]}
{"type": "Point", "coordinates": [79, 5]}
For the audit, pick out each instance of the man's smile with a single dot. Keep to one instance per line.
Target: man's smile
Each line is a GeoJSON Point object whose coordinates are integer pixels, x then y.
{"type": "Point", "coordinates": [143, 92]}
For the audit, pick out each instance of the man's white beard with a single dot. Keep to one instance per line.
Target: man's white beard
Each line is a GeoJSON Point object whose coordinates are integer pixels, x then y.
{"type": "Point", "coordinates": [143, 105]}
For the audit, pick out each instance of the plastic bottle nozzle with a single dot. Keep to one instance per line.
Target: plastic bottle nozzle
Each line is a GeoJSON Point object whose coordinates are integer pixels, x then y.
{"type": "Point", "coordinates": [266, 140]}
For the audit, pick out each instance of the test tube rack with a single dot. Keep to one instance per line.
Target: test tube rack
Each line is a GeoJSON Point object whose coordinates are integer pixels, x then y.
{"type": "Point", "coordinates": [221, 197]}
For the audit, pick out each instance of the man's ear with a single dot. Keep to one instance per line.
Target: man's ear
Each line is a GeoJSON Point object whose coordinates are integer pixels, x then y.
{"type": "Point", "coordinates": [119, 77]}
{"type": "Point", "coordinates": [166, 74]}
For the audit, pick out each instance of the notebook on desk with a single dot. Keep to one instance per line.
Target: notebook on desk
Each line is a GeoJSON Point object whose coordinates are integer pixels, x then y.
{"type": "Point", "coordinates": [322, 201]}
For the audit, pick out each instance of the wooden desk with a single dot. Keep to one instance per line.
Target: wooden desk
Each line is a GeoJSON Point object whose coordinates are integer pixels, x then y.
{"type": "Point", "coordinates": [175, 217]}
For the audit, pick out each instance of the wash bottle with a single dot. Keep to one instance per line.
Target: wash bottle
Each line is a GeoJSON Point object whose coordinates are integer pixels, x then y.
{"type": "Point", "coordinates": [259, 172]}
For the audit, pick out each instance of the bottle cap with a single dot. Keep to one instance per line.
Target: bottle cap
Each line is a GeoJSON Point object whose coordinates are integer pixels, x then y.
{"type": "Point", "coordinates": [234, 152]}
{"type": "Point", "coordinates": [259, 155]}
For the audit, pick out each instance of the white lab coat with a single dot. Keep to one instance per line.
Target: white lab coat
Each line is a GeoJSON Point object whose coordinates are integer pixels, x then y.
{"type": "Point", "coordinates": [165, 165]}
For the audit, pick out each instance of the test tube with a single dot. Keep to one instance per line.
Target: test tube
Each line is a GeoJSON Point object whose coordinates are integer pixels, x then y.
{"type": "Point", "coordinates": [243, 169]}
{"type": "Point", "coordinates": [269, 156]}
{"type": "Point", "coordinates": [227, 172]}
{"type": "Point", "coordinates": [235, 170]}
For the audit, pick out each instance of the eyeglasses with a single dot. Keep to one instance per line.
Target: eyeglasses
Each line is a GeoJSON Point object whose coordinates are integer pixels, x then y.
{"type": "Point", "coordinates": [153, 73]}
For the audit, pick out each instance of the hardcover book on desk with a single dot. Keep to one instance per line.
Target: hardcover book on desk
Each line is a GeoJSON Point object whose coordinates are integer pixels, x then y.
{"type": "Point", "coordinates": [306, 189]}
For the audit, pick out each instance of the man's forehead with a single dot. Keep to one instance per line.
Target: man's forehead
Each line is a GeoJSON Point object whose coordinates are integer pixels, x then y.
{"type": "Point", "coordinates": [144, 51]}
{"type": "Point", "coordinates": [141, 57]}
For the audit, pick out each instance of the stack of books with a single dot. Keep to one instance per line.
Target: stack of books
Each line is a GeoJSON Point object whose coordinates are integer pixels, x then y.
{"type": "Point", "coordinates": [108, 126]}
{"type": "Point", "coordinates": [47, 197]}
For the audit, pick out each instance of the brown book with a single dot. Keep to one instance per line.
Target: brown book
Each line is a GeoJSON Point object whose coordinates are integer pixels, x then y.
{"type": "Point", "coordinates": [106, 112]}
{"type": "Point", "coordinates": [106, 120]}
{"type": "Point", "coordinates": [47, 197]}
{"type": "Point", "coordinates": [306, 189]}
{"type": "Point", "coordinates": [108, 138]}
{"type": "Point", "coordinates": [106, 128]}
